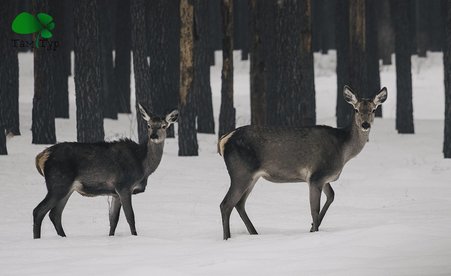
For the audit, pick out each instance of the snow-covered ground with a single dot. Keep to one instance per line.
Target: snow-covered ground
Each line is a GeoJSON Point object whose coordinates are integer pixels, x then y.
{"type": "Point", "coordinates": [391, 215]}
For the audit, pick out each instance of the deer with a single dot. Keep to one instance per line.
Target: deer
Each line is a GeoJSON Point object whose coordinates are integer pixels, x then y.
{"type": "Point", "coordinates": [117, 169]}
{"type": "Point", "coordinates": [315, 154]}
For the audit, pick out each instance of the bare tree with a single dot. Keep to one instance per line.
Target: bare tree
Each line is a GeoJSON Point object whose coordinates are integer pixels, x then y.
{"type": "Point", "coordinates": [187, 124]}
{"type": "Point", "coordinates": [88, 71]}
{"type": "Point", "coordinates": [43, 114]}
{"type": "Point", "coordinates": [227, 113]}
{"type": "Point", "coordinates": [404, 107]}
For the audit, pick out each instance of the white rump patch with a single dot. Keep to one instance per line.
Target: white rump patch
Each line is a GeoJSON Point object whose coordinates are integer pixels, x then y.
{"type": "Point", "coordinates": [222, 141]}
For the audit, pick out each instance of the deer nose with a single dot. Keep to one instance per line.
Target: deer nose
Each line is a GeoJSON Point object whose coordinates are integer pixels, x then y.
{"type": "Point", "coordinates": [153, 136]}
{"type": "Point", "coordinates": [366, 125]}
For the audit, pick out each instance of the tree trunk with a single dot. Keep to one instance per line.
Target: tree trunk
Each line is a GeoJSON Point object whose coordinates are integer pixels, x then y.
{"type": "Point", "coordinates": [11, 74]}
{"type": "Point", "coordinates": [404, 108]}
{"type": "Point", "coordinates": [205, 119]}
{"type": "Point", "coordinates": [343, 109]}
{"type": "Point", "coordinates": [374, 80]}
{"type": "Point", "coordinates": [423, 20]}
{"type": "Point", "coordinates": [170, 45]}
{"type": "Point", "coordinates": [294, 101]}
{"type": "Point", "coordinates": [227, 113]}
{"type": "Point", "coordinates": [43, 115]}
{"type": "Point", "coordinates": [447, 69]}
{"type": "Point", "coordinates": [187, 119]}
{"type": "Point", "coordinates": [122, 64]}
{"type": "Point", "coordinates": [259, 60]}
{"type": "Point", "coordinates": [358, 74]}
{"type": "Point", "coordinates": [60, 74]}
{"type": "Point", "coordinates": [9, 54]}
{"type": "Point", "coordinates": [386, 34]}
{"type": "Point", "coordinates": [106, 39]}
{"type": "Point", "coordinates": [88, 72]}
{"type": "Point", "coordinates": [140, 65]}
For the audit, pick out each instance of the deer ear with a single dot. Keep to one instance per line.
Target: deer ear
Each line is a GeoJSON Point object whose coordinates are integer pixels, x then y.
{"type": "Point", "coordinates": [143, 112]}
{"type": "Point", "coordinates": [349, 95]}
{"type": "Point", "coordinates": [172, 117]}
{"type": "Point", "coordinates": [380, 97]}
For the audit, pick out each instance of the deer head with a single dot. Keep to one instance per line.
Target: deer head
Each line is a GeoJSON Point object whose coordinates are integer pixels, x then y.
{"type": "Point", "coordinates": [156, 126]}
{"type": "Point", "coordinates": [364, 109]}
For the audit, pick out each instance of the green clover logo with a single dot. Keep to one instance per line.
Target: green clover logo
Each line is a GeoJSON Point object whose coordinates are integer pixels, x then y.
{"type": "Point", "coordinates": [26, 23]}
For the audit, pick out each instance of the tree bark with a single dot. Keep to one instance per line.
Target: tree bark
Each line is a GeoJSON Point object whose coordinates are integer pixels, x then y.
{"type": "Point", "coordinates": [259, 61]}
{"type": "Point", "coordinates": [358, 74]}
{"type": "Point", "coordinates": [140, 65]}
{"type": "Point", "coordinates": [107, 73]}
{"type": "Point", "coordinates": [294, 101]}
{"type": "Point", "coordinates": [122, 60]}
{"type": "Point", "coordinates": [187, 120]}
{"type": "Point", "coordinates": [60, 74]}
{"type": "Point", "coordinates": [205, 119]}
{"type": "Point", "coordinates": [404, 108]}
{"type": "Point", "coordinates": [343, 109]}
{"type": "Point", "coordinates": [374, 80]}
{"type": "Point", "coordinates": [88, 72]}
{"type": "Point", "coordinates": [170, 44]}
{"type": "Point", "coordinates": [43, 114]}
{"type": "Point", "coordinates": [386, 35]}
{"type": "Point", "coordinates": [447, 70]}
{"type": "Point", "coordinates": [227, 112]}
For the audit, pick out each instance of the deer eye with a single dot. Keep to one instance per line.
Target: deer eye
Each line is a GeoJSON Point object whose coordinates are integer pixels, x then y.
{"type": "Point", "coordinates": [164, 126]}
{"type": "Point", "coordinates": [374, 110]}
{"type": "Point", "coordinates": [149, 127]}
{"type": "Point", "coordinates": [356, 110]}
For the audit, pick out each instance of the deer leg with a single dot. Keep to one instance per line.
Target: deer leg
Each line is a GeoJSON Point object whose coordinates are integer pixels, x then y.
{"type": "Point", "coordinates": [40, 211]}
{"type": "Point", "coordinates": [126, 201]}
{"type": "Point", "coordinates": [240, 207]}
{"type": "Point", "coordinates": [233, 196]}
{"type": "Point", "coordinates": [55, 215]}
{"type": "Point", "coordinates": [315, 200]}
{"type": "Point", "coordinates": [330, 194]}
{"type": "Point", "coordinates": [114, 214]}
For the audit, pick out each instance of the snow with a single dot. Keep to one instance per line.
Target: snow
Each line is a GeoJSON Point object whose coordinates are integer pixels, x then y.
{"type": "Point", "coordinates": [391, 214]}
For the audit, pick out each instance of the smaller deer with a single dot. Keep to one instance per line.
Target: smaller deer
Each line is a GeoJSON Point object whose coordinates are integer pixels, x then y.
{"type": "Point", "coordinates": [315, 155]}
{"type": "Point", "coordinates": [118, 169]}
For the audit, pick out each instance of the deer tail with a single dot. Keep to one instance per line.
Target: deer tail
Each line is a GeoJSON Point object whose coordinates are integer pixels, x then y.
{"type": "Point", "coordinates": [41, 158]}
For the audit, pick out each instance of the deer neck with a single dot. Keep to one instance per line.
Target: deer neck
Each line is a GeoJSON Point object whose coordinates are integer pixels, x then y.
{"type": "Point", "coordinates": [153, 157]}
{"type": "Point", "coordinates": [355, 141]}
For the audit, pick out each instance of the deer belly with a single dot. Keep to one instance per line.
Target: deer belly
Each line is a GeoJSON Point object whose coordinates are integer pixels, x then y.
{"type": "Point", "coordinates": [286, 176]}
{"type": "Point", "coordinates": [94, 189]}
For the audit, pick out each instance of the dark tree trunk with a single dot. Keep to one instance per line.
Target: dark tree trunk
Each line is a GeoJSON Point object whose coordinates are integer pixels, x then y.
{"type": "Point", "coordinates": [170, 45]}
{"type": "Point", "coordinates": [404, 108]}
{"type": "Point", "coordinates": [215, 28]}
{"type": "Point", "coordinates": [122, 65]}
{"type": "Point", "coordinates": [307, 77]}
{"type": "Point", "coordinates": [227, 113]}
{"type": "Point", "coordinates": [260, 34]}
{"type": "Point", "coordinates": [140, 65]}
{"type": "Point", "coordinates": [88, 84]}
{"type": "Point", "coordinates": [423, 19]}
{"type": "Point", "coordinates": [9, 57]}
{"type": "Point", "coordinates": [358, 74]}
{"type": "Point", "coordinates": [187, 120]}
{"type": "Point", "coordinates": [43, 116]}
{"type": "Point", "coordinates": [374, 80]}
{"type": "Point", "coordinates": [69, 34]}
{"type": "Point", "coordinates": [294, 104]}
{"type": "Point", "coordinates": [11, 74]}
{"type": "Point", "coordinates": [60, 73]}
{"type": "Point", "coordinates": [386, 34]}
{"type": "Point", "coordinates": [205, 119]}
{"type": "Point", "coordinates": [107, 73]}
{"type": "Point", "coordinates": [343, 109]}
{"type": "Point", "coordinates": [447, 69]}
{"type": "Point", "coordinates": [154, 53]}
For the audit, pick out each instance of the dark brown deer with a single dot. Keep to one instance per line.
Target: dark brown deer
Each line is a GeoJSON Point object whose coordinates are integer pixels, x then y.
{"type": "Point", "coordinates": [315, 155]}
{"type": "Point", "coordinates": [118, 169]}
